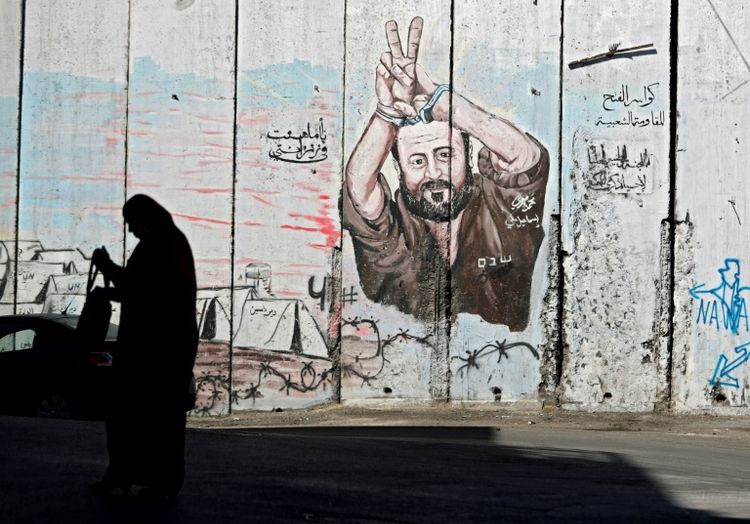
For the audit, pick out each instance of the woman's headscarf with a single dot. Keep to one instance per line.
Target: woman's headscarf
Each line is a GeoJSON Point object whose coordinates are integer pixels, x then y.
{"type": "Point", "coordinates": [149, 212]}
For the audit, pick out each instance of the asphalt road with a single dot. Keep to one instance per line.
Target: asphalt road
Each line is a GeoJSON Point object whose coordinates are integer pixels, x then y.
{"type": "Point", "coordinates": [387, 474]}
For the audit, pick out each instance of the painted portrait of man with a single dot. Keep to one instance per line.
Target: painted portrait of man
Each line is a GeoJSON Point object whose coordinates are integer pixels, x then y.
{"type": "Point", "coordinates": [482, 229]}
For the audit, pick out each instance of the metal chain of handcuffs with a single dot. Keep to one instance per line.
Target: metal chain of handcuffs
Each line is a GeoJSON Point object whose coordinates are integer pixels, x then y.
{"type": "Point", "coordinates": [424, 116]}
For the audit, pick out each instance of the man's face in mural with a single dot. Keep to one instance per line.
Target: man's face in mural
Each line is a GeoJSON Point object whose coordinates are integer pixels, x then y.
{"type": "Point", "coordinates": [434, 163]}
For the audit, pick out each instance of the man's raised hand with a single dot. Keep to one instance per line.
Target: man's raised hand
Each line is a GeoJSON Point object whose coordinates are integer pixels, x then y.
{"type": "Point", "coordinates": [395, 82]}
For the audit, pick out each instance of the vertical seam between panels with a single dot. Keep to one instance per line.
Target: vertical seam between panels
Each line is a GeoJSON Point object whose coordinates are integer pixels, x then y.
{"type": "Point", "coordinates": [22, 55]}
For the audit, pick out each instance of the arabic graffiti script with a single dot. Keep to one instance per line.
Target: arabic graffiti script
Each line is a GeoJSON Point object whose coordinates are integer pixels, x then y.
{"type": "Point", "coordinates": [616, 171]}
{"type": "Point", "coordinates": [305, 147]}
{"type": "Point", "coordinates": [521, 215]}
{"type": "Point", "coordinates": [622, 100]}
{"type": "Point", "coordinates": [723, 306]}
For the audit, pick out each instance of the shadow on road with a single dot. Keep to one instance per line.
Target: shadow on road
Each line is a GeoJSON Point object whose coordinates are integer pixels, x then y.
{"type": "Point", "coordinates": [379, 474]}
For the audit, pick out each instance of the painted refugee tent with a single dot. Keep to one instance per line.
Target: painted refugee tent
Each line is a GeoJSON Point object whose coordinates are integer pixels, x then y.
{"type": "Point", "coordinates": [283, 325]}
{"type": "Point", "coordinates": [264, 322]}
{"type": "Point", "coordinates": [72, 259]}
{"type": "Point", "coordinates": [212, 310]}
{"type": "Point", "coordinates": [6, 281]}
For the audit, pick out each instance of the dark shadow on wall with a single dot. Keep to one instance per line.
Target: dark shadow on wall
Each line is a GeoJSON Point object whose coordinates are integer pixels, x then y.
{"type": "Point", "coordinates": [333, 475]}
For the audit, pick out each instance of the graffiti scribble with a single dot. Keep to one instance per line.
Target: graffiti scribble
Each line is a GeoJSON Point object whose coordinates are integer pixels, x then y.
{"type": "Point", "coordinates": [354, 367]}
{"type": "Point", "coordinates": [724, 367]}
{"type": "Point", "coordinates": [727, 294]}
{"type": "Point", "coordinates": [471, 360]}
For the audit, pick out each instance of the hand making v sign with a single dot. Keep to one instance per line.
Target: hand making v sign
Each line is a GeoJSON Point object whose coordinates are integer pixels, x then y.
{"type": "Point", "coordinates": [395, 80]}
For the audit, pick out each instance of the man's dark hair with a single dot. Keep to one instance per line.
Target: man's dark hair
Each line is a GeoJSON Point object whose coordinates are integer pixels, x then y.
{"type": "Point", "coordinates": [467, 151]}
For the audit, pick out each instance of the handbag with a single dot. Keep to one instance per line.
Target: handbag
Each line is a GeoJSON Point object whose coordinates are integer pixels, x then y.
{"type": "Point", "coordinates": [93, 323]}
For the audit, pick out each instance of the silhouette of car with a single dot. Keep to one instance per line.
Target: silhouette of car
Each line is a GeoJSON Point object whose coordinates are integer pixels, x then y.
{"type": "Point", "coordinates": [48, 370]}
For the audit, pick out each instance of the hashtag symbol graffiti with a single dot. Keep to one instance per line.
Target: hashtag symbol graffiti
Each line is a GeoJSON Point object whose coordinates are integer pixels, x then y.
{"type": "Point", "coordinates": [350, 296]}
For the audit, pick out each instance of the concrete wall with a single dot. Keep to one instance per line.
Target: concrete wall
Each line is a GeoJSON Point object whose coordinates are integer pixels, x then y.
{"type": "Point", "coordinates": [597, 262]}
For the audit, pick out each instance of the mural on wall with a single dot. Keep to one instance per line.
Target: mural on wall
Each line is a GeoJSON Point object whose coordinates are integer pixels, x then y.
{"type": "Point", "coordinates": [277, 338]}
{"type": "Point", "coordinates": [484, 227]}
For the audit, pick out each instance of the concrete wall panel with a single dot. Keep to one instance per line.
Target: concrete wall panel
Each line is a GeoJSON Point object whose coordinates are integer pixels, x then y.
{"type": "Point", "coordinates": [520, 83]}
{"type": "Point", "coordinates": [72, 142]}
{"type": "Point", "coordinates": [615, 195]}
{"type": "Point", "coordinates": [180, 142]}
{"type": "Point", "coordinates": [711, 323]}
{"type": "Point", "coordinates": [289, 142]}
{"type": "Point", "coordinates": [389, 351]}
{"type": "Point", "coordinates": [10, 60]}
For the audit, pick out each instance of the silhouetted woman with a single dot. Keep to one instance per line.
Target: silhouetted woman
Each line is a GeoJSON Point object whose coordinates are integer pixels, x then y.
{"type": "Point", "coordinates": [158, 339]}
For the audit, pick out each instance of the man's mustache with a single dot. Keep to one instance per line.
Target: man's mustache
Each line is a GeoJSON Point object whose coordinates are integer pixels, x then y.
{"type": "Point", "coordinates": [436, 185]}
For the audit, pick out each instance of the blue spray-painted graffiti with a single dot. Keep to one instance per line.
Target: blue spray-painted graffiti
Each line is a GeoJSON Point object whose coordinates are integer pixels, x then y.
{"type": "Point", "coordinates": [724, 367]}
{"type": "Point", "coordinates": [727, 295]}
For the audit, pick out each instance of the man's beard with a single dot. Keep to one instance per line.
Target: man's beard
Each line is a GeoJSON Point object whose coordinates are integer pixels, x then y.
{"type": "Point", "coordinates": [433, 205]}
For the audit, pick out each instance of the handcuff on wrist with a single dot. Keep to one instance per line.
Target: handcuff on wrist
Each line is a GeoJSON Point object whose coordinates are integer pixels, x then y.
{"type": "Point", "coordinates": [424, 116]}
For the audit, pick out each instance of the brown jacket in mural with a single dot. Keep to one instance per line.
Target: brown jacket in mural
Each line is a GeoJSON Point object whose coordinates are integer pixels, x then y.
{"type": "Point", "coordinates": [498, 242]}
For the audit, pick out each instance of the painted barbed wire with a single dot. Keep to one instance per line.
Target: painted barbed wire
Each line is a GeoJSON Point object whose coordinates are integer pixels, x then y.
{"type": "Point", "coordinates": [501, 348]}
{"type": "Point", "coordinates": [218, 387]}
{"type": "Point", "coordinates": [308, 379]}
{"type": "Point", "coordinates": [348, 368]}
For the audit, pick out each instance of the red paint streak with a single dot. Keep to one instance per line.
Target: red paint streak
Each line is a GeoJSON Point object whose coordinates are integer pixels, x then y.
{"type": "Point", "coordinates": [246, 120]}
{"type": "Point", "coordinates": [327, 226]}
{"type": "Point", "coordinates": [206, 163]}
{"type": "Point", "coordinates": [213, 133]}
{"type": "Point", "coordinates": [251, 148]}
{"type": "Point", "coordinates": [92, 96]}
{"type": "Point", "coordinates": [8, 174]}
{"type": "Point", "coordinates": [213, 260]}
{"type": "Point", "coordinates": [257, 192]}
{"type": "Point", "coordinates": [111, 140]}
{"type": "Point", "coordinates": [221, 146]}
{"type": "Point", "coordinates": [263, 201]}
{"type": "Point", "coordinates": [287, 293]}
{"type": "Point", "coordinates": [8, 151]}
{"type": "Point", "coordinates": [147, 93]}
{"type": "Point", "coordinates": [307, 187]}
{"type": "Point", "coordinates": [96, 178]}
{"type": "Point", "coordinates": [301, 228]}
{"type": "Point", "coordinates": [196, 172]}
{"type": "Point", "coordinates": [249, 223]}
{"type": "Point", "coordinates": [193, 218]}
{"type": "Point", "coordinates": [215, 119]}
{"type": "Point", "coordinates": [246, 260]}
{"type": "Point", "coordinates": [138, 133]}
{"type": "Point", "coordinates": [108, 208]}
{"type": "Point", "coordinates": [142, 184]}
{"type": "Point", "coordinates": [207, 190]}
